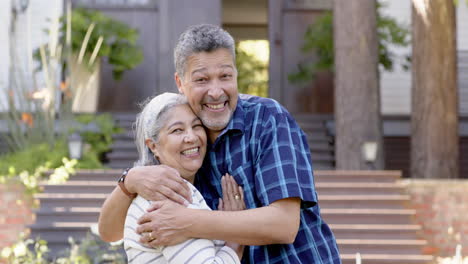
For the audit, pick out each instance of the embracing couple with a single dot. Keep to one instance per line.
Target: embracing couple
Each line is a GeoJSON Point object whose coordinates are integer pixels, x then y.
{"type": "Point", "coordinates": [210, 148]}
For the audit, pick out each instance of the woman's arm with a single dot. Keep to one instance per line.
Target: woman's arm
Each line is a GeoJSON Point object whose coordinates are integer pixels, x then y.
{"type": "Point", "coordinates": [277, 223]}
{"type": "Point", "coordinates": [154, 183]}
{"type": "Point", "coordinates": [112, 216]}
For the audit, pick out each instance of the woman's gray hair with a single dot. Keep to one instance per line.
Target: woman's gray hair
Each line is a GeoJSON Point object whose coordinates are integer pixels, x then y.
{"type": "Point", "coordinates": [150, 121]}
{"type": "Point", "coordinates": [201, 38]}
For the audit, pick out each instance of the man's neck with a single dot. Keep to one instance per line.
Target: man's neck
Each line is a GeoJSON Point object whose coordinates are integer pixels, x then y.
{"type": "Point", "coordinates": [213, 135]}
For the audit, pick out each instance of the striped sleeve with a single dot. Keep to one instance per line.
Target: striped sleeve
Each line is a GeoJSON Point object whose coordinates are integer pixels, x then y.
{"type": "Point", "coordinates": [198, 251]}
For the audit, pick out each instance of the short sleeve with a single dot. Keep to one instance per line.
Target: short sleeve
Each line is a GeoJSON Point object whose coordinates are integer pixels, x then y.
{"type": "Point", "coordinates": [283, 166]}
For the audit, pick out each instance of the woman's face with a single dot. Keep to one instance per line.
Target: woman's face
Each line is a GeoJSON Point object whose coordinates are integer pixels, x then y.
{"type": "Point", "coordinates": [181, 142]}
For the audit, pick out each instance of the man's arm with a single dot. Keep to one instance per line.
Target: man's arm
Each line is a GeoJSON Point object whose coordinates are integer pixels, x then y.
{"type": "Point", "coordinates": [277, 223]}
{"type": "Point", "coordinates": [155, 183]}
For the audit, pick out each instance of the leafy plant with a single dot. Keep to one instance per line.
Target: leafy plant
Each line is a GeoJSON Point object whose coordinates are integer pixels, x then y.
{"type": "Point", "coordinates": [319, 39]}
{"type": "Point", "coordinates": [252, 74]}
{"type": "Point", "coordinates": [116, 40]}
{"type": "Point", "coordinates": [89, 250]}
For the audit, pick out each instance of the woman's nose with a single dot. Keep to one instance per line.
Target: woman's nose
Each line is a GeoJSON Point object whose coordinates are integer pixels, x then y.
{"type": "Point", "coordinates": [190, 137]}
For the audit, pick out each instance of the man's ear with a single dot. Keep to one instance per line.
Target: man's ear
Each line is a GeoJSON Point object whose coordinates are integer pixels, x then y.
{"type": "Point", "coordinates": [178, 82]}
{"type": "Point", "coordinates": [152, 146]}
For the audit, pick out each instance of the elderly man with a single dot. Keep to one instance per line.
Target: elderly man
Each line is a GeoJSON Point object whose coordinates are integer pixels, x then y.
{"type": "Point", "coordinates": [255, 140]}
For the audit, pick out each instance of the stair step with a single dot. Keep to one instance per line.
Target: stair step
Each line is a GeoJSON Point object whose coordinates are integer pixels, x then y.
{"type": "Point", "coordinates": [387, 258]}
{"type": "Point", "coordinates": [357, 176]}
{"type": "Point", "coordinates": [375, 231]}
{"type": "Point", "coordinates": [124, 145]}
{"type": "Point", "coordinates": [328, 188]}
{"type": "Point", "coordinates": [48, 200]}
{"type": "Point", "coordinates": [363, 201]}
{"type": "Point", "coordinates": [367, 216]}
{"type": "Point", "coordinates": [97, 175]}
{"type": "Point", "coordinates": [68, 214]}
{"type": "Point", "coordinates": [74, 186]}
{"type": "Point", "coordinates": [380, 246]}
{"type": "Point", "coordinates": [120, 165]}
{"type": "Point", "coordinates": [123, 155]}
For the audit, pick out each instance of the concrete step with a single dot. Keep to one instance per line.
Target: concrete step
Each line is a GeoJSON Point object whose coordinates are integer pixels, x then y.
{"type": "Point", "coordinates": [120, 165]}
{"type": "Point", "coordinates": [357, 176]}
{"type": "Point", "coordinates": [97, 175]}
{"type": "Point", "coordinates": [322, 165]}
{"type": "Point", "coordinates": [67, 214]}
{"type": "Point", "coordinates": [381, 246]}
{"type": "Point", "coordinates": [124, 145]}
{"type": "Point", "coordinates": [123, 155]}
{"type": "Point", "coordinates": [329, 188]}
{"type": "Point", "coordinates": [60, 231]}
{"type": "Point", "coordinates": [50, 200]}
{"type": "Point", "coordinates": [322, 157]}
{"type": "Point", "coordinates": [74, 186]}
{"type": "Point", "coordinates": [367, 216]}
{"type": "Point", "coordinates": [388, 259]}
{"type": "Point", "coordinates": [375, 231]}
{"type": "Point", "coordinates": [363, 201]}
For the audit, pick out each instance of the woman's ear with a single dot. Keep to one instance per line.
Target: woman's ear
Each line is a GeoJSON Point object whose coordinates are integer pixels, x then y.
{"type": "Point", "coordinates": [152, 146]}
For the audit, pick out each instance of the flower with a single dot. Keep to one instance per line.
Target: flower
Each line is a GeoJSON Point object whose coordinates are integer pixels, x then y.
{"type": "Point", "coordinates": [27, 118]}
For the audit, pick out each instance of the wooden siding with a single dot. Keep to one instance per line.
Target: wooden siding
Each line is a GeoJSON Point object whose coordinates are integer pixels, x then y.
{"type": "Point", "coordinates": [463, 81]}
{"type": "Point", "coordinates": [160, 24]}
{"type": "Point", "coordinates": [38, 16]}
{"type": "Point", "coordinates": [288, 21]}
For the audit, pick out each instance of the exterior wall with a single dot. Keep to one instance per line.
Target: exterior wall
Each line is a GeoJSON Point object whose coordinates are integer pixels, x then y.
{"type": "Point", "coordinates": [288, 22]}
{"type": "Point", "coordinates": [29, 35]}
{"type": "Point", "coordinates": [396, 86]}
{"type": "Point", "coordinates": [441, 207]}
{"type": "Point", "coordinates": [15, 213]}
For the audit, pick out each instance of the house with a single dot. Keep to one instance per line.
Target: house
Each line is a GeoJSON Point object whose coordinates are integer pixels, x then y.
{"type": "Point", "coordinates": [282, 22]}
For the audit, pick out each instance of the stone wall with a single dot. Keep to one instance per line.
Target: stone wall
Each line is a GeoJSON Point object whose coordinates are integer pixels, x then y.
{"type": "Point", "coordinates": [442, 211]}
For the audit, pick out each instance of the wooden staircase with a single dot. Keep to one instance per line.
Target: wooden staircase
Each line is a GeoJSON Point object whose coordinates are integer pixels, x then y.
{"type": "Point", "coordinates": [365, 209]}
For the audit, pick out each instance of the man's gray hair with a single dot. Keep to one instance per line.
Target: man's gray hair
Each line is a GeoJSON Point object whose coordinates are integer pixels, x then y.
{"type": "Point", "coordinates": [201, 38]}
{"type": "Point", "coordinates": [150, 121]}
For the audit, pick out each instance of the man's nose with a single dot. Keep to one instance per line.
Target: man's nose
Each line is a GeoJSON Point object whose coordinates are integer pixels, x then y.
{"type": "Point", "coordinates": [215, 90]}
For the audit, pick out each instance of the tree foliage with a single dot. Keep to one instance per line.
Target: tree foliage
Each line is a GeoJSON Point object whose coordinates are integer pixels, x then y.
{"type": "Point", "coordinates": [319, 40]}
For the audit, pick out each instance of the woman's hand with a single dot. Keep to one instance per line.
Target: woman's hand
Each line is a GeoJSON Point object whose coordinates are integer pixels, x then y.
{"type": "Point", "coordinates": [233, 200]}
{"type": "Point", "coordinates": [233, 195]}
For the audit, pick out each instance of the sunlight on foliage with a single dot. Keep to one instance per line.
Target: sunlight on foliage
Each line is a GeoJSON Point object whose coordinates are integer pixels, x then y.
{"type": "Point", "coordinates": [252, 65]}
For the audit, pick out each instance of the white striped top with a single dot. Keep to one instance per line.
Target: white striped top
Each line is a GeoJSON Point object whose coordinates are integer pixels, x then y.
{"type": "Point", "coordinates": [193, 251]}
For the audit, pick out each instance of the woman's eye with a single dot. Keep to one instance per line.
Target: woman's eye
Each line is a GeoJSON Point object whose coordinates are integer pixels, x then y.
{"type": "Point", "coordinates": [198, 126]}
{"type": "Point", "coordinates": [200, 80]}
{"type": "Point", "coordinates": [177, 130]}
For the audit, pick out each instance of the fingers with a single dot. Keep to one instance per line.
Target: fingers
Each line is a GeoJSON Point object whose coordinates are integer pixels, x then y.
{"type": "Point", "coordinates": [233, 195]}
{"type": "Point", "coordinates": [153, 207]}
{"type": "Point", "coordinates": [220, 205]}
{"type": "Point", "coordinates": [179, 191]}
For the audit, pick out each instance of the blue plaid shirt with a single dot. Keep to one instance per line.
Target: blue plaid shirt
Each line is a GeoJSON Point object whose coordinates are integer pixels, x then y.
{"type": "Point", "coordinates": [268, 155]}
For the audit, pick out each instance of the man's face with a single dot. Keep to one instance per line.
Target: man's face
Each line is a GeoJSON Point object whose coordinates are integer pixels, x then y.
{"type": "Point", "coordinates": [210, 85]}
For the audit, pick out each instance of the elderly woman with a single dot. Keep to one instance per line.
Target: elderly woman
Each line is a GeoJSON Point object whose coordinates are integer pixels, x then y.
{"type": "Point", "coordinates": [169, 133]}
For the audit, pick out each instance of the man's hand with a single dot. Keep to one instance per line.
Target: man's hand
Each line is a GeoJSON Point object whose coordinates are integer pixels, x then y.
{"type": "Point", "coordinates": [158, 183]}
{"type": "Point", "coordinates": [166, 222]}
